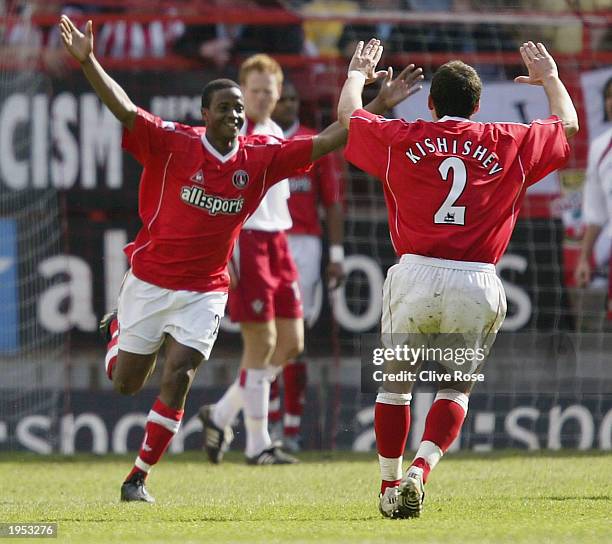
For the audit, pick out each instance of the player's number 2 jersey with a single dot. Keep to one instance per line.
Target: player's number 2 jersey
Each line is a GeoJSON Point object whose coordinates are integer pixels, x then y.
{"type": "Point", "coordinates": [454, 187]}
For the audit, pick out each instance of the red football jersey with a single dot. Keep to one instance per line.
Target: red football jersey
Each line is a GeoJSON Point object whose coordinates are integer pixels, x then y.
{"type": "Point", "coordinates": [454, 188]}
{"type": "Point", "coordinates": [322, 183]}
{"type": "Point", "coordinates": [193, 200]}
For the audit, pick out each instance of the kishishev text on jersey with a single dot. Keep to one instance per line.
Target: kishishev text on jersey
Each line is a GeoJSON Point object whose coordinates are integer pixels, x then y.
{"type": "Point", "coordinates": [456, 147]}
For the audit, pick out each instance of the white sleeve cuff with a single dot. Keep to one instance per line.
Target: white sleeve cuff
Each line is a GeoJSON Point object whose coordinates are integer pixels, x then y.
{"type": "Point", "coordinates": [336, 253]}
{"type": "Point", "coordinates": [356, 74]}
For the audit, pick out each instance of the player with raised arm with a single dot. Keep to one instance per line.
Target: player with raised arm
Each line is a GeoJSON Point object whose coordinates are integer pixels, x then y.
{"type": "Point", "coordinates": [454, 189]}
{"type": "Point", "coordinates": [264, 297]}
{"type": "Point", "coordinates": [198, 186]}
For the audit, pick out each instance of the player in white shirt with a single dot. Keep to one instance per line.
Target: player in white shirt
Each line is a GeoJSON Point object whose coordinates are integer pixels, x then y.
{"type": "Point", "coordinates": [597, 201]}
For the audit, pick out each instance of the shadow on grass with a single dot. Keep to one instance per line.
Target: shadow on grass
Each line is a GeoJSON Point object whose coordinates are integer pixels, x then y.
{"type": "Point", "coordinates": [310, 457]}
{"type": "Point", "coordinates": [218, 519]}
{"type": "Point", "coordinates": [575, 498]}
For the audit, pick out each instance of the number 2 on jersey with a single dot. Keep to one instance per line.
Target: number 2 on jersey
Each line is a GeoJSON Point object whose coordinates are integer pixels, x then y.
{"type": "Point", "coordinates": [448, 214]}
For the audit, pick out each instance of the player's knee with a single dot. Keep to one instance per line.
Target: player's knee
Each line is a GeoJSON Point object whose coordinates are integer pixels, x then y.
{"type": "Point", "coordinates": [267, 341]}
{"type": "Point", "coordinates": [126, 386]}
{"type": "Point", "coordinates": [290, 344]}
{"type": "Point", "coordinates": [294, 349]}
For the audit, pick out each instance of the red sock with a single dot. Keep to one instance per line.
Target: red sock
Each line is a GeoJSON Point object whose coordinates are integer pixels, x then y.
{"type": "Point", "coordinates": [443, 423]}
{"type": "Point", "coordinates": [421, 463]}
{"type": "Point", "coordinates": [391, 424]}
{"type": "Point", "coordinates": [162, 424]}
{"type": "Point", "coordinates": [294, 378]}
{"type": "Point", "coordinates": [442, 427]}
{"type": "Point", "coordinates": [112, 349]}
{"type": "Point", "coordinates": [274, 410]}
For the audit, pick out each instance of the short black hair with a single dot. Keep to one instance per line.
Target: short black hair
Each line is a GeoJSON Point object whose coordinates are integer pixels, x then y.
{"type": "Point", "coordinates": [455, 89]}
{"type": "Point", "coordinates": [214, 86]}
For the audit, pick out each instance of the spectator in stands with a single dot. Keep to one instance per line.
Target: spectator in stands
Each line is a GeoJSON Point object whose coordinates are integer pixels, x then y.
{"type": "Point", "coordinates": [566, 37]}
{"type": "Point", "coordinates": [27, 45]}
{"type": "Point", "coordinates": [604, 43]}
{"type": "Point", "coordinates": [322, 36]}
{"type": "Point", "coordinates": [384, 31]}
{"type": "Point", "coordinates": [597, 201]}
{"type": "Point", "coordinates": [431, 37]}
{"type": "Point", "coordinates": [217, 44]}
{"type": "Point", "coordinates": [130, 38]}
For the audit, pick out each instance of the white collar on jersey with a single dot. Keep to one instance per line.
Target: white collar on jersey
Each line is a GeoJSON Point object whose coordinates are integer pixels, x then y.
{"type": "Point", "coordinates": [451, 118]}
{"type": "Point", "coordinates": [223, 158]}
{"type": "Point", "coordinates": [290, 132]}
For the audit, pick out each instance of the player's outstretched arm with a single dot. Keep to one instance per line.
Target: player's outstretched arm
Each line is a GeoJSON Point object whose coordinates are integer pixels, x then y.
{"type": "Point", "coordinates": [392, 92]}
{"type": "Point", "coordinates": [543, 71]}
{"type": "Point", "coordinates": [80, 46]}
{"type": "Point", "coordinates": [362, 66]}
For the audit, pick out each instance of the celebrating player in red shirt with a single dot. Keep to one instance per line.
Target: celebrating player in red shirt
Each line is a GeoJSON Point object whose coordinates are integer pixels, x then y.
{"type": "Point", "coordinates": [453, 189]}
{"type": "Point", "coordinates": [197, 189]}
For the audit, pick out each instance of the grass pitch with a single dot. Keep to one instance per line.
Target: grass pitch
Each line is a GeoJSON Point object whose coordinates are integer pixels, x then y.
{"type": "Point", "coordinates": [503, 497]}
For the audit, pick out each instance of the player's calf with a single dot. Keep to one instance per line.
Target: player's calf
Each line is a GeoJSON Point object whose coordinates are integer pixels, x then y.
{"type": "Point", "coordinates": [442, 427]}
{"type": "Point", "coordinates": [109, 330]}
{"type": "Point", "coordinates": [163, 423]}
{"type": "Point", "coordinates": [391, 425]}
{"type": "Point", "coordinates": [131, 372]}
{"type": "Point", "coordinates": [295, 379]}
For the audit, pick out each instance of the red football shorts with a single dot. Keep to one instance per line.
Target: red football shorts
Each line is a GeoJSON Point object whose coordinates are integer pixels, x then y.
{"type": "Point", "coordinates": [267, 285]}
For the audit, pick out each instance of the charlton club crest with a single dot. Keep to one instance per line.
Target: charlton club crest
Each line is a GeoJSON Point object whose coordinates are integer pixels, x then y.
{"type": "Point", "coordinates": [240, 179]}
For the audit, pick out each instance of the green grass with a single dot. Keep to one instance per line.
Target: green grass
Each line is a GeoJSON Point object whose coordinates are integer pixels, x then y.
{"type": "Point", "coordinates": [502, 497]}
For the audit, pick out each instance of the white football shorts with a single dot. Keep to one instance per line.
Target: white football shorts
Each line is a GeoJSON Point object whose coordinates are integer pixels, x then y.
{"type": "Point", "coordinates": [147, 312]}
{"type": "Point", "coordinates": [306, 253]}
{"type": "Point", "coordinates": [450, 303]}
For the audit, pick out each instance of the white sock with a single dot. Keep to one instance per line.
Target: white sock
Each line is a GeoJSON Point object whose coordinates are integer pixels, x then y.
{"type": "Point", "coordinates": [390, 468]}
{"type": "Point", "coordinates": [228, 407]}
{"type": "Point", "coordinates": [256, 396]}
{"type": "Point", "coordinates": [430, 452]}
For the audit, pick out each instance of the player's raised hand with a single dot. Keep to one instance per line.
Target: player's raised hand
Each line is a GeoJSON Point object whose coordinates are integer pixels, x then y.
{"type": "Point", "coordinates": [394, 91]}
{"type": "Point", "coordinates": [539, 63]}
{"type": "Point", "coordinates": [366, 58]}
{"type": "Point", "coordinates": [79, 45]}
